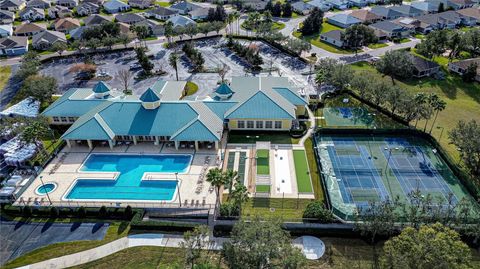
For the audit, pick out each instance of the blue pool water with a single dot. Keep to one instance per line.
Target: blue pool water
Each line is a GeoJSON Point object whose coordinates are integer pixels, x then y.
{"type": "Point", "coordinates": [129, 185]}
{"type": "Point", "coordinates": [44, 189]}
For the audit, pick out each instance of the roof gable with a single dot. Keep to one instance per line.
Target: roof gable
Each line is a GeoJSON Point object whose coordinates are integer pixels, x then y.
{"type": "Point", "coordinates": [290, 96]}
{"type": "Point", "coordinates": [259, 106]}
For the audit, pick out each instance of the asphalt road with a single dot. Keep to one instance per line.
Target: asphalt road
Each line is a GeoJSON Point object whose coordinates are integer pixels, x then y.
{"type": "Point", "coordinates": [18, 238]}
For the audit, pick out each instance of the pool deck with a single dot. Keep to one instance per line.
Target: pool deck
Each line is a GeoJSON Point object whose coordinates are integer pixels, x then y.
{"type": "Point", "coordinates": [63, 170]}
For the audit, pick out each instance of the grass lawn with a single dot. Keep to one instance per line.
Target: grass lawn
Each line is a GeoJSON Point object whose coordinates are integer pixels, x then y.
{"type": "Point", "coordinates": [262, 188]}
{"type": "Point", "coordinates": [377, 45]}
{"type": "Point", "coordinates": [252, 137]}
{"type": "Point", "coordinates": [190, 88]}
{"type": "Point", "coordinates": [404, 40]}
{"type": "Point", "coordinates": [263, 166]}
{"type": "Point", "coordinates": [462, 98]}
{"type": "Point", "coordinates": [419, 36]}
{"type": "Point", "coordinates": [314, 171]}
{"type": "Point", "coordinates": [304, 183]}
{"type": "Point", "coordinates": [162, 4]}
{"type": "Point", "coordinates": [114, 232]}
{"type": "Point", "coordinates": [315, 39]}
{"type": "Point", "coordinates": [287, 208]}
{"type": "Point", "coordinates": [276, 25]}
{"type": "Point", "coordinates": [5, 72]}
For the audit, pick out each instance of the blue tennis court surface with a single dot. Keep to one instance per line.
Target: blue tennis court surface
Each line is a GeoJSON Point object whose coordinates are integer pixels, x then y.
{"type": "Point", "coordinates": [368, 169]}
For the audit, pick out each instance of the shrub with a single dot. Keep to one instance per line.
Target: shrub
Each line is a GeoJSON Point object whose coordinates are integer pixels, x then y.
{"type": "Point", "coordinates": [229, 210]}
{"type": "Point", "coordinates": [102, 213]}
{"type": "Point", "coordinates": [27, 211]}
{"type": "Point", "coordinates": [128, 212]}
{"type": "Point", "coordinates": [54, 212]}
{"type": "Point", "coordinates": [317, 210]}
{"type": "Point", "coordinates": [81, 212]}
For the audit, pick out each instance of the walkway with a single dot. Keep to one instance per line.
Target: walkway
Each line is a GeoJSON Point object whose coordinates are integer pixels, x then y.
{"type": "Point", "coordinates": [157, 240]}
{"type": "Point", "coordinates": [313, 125]}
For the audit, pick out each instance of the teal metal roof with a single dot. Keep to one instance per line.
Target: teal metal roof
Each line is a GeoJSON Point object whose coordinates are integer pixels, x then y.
{"type": "Point", "coordinates": [74, 103]}
{"type": "Point", "coordinates": [259, 106]}
{"type": "Point", "coordinates": [290, 96]}
{"type": "Point", "coordinates": [219, 107]}
{"type": "Point", "coordinates": [149, 96]}
{"type": "Point", "coordinates": [101, 87]}
{"type": "Point", "coordinates": [224, 89]}
{"type": "Point", "coordinates": [195, 131]}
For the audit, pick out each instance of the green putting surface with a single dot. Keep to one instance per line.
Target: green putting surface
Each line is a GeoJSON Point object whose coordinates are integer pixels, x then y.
{"type": "Point", "coordinates": [304, 183]}
{"type": "Point", "coordinates": [263, 167]}
{"type": "Point", "coordinates": [262, 188]}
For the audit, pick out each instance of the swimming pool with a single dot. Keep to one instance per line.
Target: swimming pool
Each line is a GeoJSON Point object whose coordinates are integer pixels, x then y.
{"type": "Point", "coordinates": [129, 184]}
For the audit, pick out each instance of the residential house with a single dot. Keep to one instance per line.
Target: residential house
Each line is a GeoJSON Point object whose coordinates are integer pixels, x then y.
{"type": "Point", "coordinates": [76, 34]}
{"type": "Point", "coordinates": [43, 4]}
{"type": "Point", "coordinates": [339, 4]}
{"type": "Point", "coordinates": [407, 10]}
{"type": "Point", "coordinates": [198, 13]}
{"type": "Point", "coordinates": [343, 20]}
{"type": "Point", "coordinates": [390, 30]}
{"type": "Point", "coordinates": [447, 20]}
{"type": "Point", "coordinates": [184, 7]}
{"type": "Point", "coordinates": [154, 27]}
{"type": "Point", "coordinates": [87, 8]}
{"type": "Point", "coordinates": [461, 67]}
{"type": "Point", "coordinates": [13, 45]}
{"type": "Point", "coordinates": [460, 4]}
{"type": "Point", "coordinates": [115, 6]}
{"type": "Point", "coordinates": [334, 37]}
{"type": "Point", "coordinates": [386, 13]}
{"type": "Point", "coordinates": [358, 3]}
{"type": "Point", "coordinates": [141, 4]}
{"type": "Point", "coordinates": [95, 19]}
{"type": "Point", "coordinates": [129, 18]}
{"type": "Point", "coordinates": [303, 8]}
{"type": "Point", "coordinates": [423, 67]}
{"type": "Point", "coordinates": [29, 29]}
{"type": "Point", "coordinates": [181, 21]}
{"type": "Point", "coordinates": [161, 13]}
{"type": "Point", "coordinates": [6, 30]}
{"type": "Point", "coordinates": [12, 5]}
{"type": "Point", "coordinates": [44, 40]}
{"type": "Point", "coordinates": [32, 14]}
{"type": "Point", "coordinates": [254, 5]}
{"type": "Point", "coordinates": [67, 3]}
{"type": "Point", "coordinates": [365, 16]}
{"type": "Point", "coordinates": [6, 17]}
{"type": "Point", "coordinates": [59, 12]}
{"type": "Point", "coordinates": [65, 25]}
{"type": "Point", "coordinates": [98, 2]}
{"type": "Point", "coordinates": [471, 12]}
{"type": "Point", "coordinates": [320, 4]}
{"type": "Point", "coordinates": [414, 25]}
{"type": "Point", "coordinates": [125, 29]}
{"type": "Point", "coordinates": [428, 7]}
{"type": "Point", "coordinates": [95, 115]}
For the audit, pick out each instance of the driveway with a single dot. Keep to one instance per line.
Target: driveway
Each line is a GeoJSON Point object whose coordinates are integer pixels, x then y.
{"type": "Point", "coordinates": [18, 238]}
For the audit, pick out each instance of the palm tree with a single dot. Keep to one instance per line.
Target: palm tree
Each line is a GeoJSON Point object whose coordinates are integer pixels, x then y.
{"type": "Point", "coordinates": [169, 32]}
{"type": "Point", "coordinates": [239, 195]}
{"type": "Point", "coordinates": [438, 105]}
{"type": "Point", "coordinates": [217, 180]}
{"type": "Point", "coordinates": [420, 100]}
{"type": "Point", "coordinates": [230, 180]}
{"type": "Point", "coordinates": [173, 59]}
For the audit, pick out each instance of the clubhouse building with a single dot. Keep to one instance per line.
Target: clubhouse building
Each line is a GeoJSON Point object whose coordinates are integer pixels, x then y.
{"type": "Point", "coordinates": [99, 115]}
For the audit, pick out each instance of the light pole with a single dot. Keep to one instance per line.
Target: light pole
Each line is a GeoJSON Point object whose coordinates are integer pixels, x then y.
{"type": "Point", "coordinates": [46, 192]}
{"type": "Point", "coordinates": [178, 187]}
{"type": "Point", "coordinates": [441, 133]}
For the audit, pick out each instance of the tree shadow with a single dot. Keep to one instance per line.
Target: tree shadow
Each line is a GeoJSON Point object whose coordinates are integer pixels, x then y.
{"type": "Point", "coordinates": [75, 226]}
{"type": "Point", "coordinates": [97, 227]}
{"type": "Point", "coordinates": [122, 227]}
{"type": "Point", "coordinates": [48, 224]}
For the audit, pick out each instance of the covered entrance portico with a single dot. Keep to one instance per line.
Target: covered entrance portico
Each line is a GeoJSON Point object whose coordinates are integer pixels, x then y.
{"type": "Point", "coordinates": [197, 145]}
{"type": "Point", "coordinates": [91, 143]}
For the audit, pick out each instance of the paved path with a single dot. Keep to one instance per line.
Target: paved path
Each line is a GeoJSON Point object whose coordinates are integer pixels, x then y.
{"type": "Point", "coordinates": [159, 240]}
{"type": "Point", "coordinates": [313, 124]}
{"type": "Point", "coordinates": [18, 238]}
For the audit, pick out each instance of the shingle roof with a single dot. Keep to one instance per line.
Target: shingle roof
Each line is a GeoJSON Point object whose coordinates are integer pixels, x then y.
{"type": "Point", "coordinates": [95, 19]}
{"type": "Point", "coordinates": [344, 19]}
{"type": "Point", "coordinates": [29, 28]}
{"type": "Point", "coordinates": [407, 10]}
{"type": "Point", "coordinates": [386, 26]}
{"type": "Point", "coordinates": [334, 34]}
{"type": "Point", "coordinates": [162, 11]}
{"type": "Point", "coordinates": [385, 12]}
{"type": "Point", "coordinates": [129, 17]}
{"type": "Point", "coordinates": [422, 64]}
{"type": "Point", "coordinates": [13, 42]}
{"type": "Point", "coordinates": [365, 15]}
{"type": "Point", "coordinates": [472, 12]}
{"type": "Point", "coordinates": [114, 4]}
{"type": "Point", "coordinates": [181, 21]}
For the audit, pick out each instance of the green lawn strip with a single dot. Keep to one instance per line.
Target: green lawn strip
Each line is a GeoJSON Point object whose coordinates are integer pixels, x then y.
{"type": "Point", "coordinates": [115, 231]}
{"type": "Point", "coordinates": [462, 98]}
{"type": "Point", "coordinates": [314, 171]}
{"type": "Point", "coordinates": [262, 188]}
{"type": "Point", "coordinates": [304, 183]}
{"type": "Point", "coordinates": [162, 4]}
{"type": "Point", "coordinates": [191, 88]}
{"type": "Point", "coordinates": [315, 39]}
{"type": "Point", "coordinates": [5, 72]}
{"type": "Point", "coordinates": [263, 160]}
{"type": "Point", "coordinates": [286, 208]}
{"type": "Point", "coordinates": [377, 45]}
{"type": "Point", "coordinates": [276, 25]}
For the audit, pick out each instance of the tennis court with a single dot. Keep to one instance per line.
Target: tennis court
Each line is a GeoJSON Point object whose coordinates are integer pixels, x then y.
{"type": "Point", "coordinates": [360, 169]}
{"type": "Point", "coordinates": [348, 117]}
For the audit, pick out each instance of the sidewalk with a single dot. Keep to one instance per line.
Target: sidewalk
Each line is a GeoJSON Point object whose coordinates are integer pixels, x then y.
{"type": "Point", "coordinates": [158, 240]}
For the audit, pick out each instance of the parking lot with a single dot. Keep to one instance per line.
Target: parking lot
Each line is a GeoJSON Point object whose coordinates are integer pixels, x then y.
{"type": "Point", "coordinates": [213, 52]}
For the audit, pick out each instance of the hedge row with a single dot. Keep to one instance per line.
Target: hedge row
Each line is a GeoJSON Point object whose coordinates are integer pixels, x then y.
{"type": "Point", "coordinates": [66, 212]}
